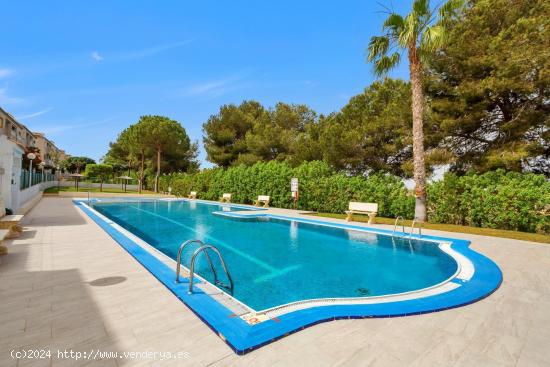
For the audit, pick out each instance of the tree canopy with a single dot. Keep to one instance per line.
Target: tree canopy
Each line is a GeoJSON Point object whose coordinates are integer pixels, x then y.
{"type": "Point", "coordinates": [75, 164]}
{"type": "Point", "coordinates": [369, 134]}
{"type": "Point", "coordinates": [154, 144]}
{"type": "Point", "coordinates": [100, 172]}
{"type": "Point", "coordinates": [489, 88]}
{"type": "Point", "coordinates": [372, 131]}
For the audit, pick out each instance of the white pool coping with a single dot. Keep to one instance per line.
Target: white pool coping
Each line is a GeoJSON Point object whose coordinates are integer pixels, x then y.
{"type": "Point", "coordinates": [465, 271]}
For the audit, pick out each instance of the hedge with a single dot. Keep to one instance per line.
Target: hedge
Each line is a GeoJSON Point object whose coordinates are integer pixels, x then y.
{"type": "Point", "coordinates": [496, 199]}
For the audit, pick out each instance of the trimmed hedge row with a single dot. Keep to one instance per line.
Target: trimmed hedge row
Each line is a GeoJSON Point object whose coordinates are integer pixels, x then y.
{"type": "Point", "coordinates": [321, 189]}
{"type": "Point", "coordinates": [495, 200]}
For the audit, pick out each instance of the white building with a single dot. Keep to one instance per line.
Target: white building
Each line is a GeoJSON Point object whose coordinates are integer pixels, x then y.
{"type": "Point", "coordinates": [15, 141]}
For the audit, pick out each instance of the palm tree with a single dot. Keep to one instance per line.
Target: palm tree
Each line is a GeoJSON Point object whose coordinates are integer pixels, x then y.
{"type": "Point", "coordinates": [421, 33]}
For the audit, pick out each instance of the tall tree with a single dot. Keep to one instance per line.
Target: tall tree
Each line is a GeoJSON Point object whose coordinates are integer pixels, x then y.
{"type": "Point", "coordinates": [225, 132]}
{"type": "Point", "coordinates": [164, 136]}
{"type": "Point", "coordinates": [136, 140]}
{"type": "Point", "coordinates": [75, 164]}
{"type": "Point", "coordinates": [371, 132]}
{"type": "Point", "coordinates": [130, 148]}
{"type": "Point", "coordinates": [489, 87]}
{"type": "Point", "coordinates": [275, 136]}
{"type": "Point", "coordinates": [100, 172]}
{"type": "Point", "coordinates": [421, 33]}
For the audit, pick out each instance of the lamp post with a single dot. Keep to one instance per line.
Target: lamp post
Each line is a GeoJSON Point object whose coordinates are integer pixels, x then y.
{"type": "Point", "coordinates": [41, 166]}
{"type": "Point", "coordinates": [57, 172]}
{"type": "Point", "coordinates": [31, 156]}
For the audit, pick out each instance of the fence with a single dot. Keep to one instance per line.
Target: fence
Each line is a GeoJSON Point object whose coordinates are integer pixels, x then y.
{"type": "Point", "coordinates": [37, 177]}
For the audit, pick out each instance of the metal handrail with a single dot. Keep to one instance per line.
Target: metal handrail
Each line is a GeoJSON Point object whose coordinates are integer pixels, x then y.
{"type": "Point", "coordinates": [192, 268]}
{"type": "Point", "coordinates": [178, 261]}
{"type": "Point", "coordinates": [419, 228]}
{"type": "Point", "coordinates": [402, 223]}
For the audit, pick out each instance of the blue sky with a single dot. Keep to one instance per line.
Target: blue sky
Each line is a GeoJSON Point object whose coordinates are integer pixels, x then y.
{"type": "Point", "coordinates": [83, 71]}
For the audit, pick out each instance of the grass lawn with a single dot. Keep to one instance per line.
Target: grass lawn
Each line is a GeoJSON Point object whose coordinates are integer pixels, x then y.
{"type": "Point", "coordinates": [84, 188]}
{"type": "Point", "coordinates": [534, 237]}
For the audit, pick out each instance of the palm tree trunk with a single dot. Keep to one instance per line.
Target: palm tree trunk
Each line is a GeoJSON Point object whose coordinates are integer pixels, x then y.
{"type": "Point", "coordinates": [157, 176]}
{"type": "Point", "coordinates": [419, 167]}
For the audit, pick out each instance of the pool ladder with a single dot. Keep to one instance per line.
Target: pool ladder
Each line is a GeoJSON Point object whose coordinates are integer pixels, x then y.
{"type": "Point", "coordinates": [414, 223]}
{"type": "Point", "coordinates": [203, 248]}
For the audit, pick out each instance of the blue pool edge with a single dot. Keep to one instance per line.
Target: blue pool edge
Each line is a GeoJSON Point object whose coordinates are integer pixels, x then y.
{"type": "Point", "coordinates": [243, 338]}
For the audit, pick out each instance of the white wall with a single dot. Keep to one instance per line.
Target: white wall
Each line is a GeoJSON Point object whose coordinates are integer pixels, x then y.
{"type": "Point", "coordinates": [10, 175]}
{"type": "Point", "coordinates": [10, 170]}
{"type": "Point", "coordinates": [31, 193]}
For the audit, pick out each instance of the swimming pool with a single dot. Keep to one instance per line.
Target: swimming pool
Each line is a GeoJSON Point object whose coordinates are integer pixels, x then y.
{"type": "Point", "coordinates": [291, 272]}
{"type": "Point", "coordinates": [275, 262]}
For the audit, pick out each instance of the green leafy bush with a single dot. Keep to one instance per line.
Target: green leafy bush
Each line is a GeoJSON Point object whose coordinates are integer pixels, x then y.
{"type": "Point", "coordinates": [495, 199]}
{"type": "Point", "coordinates": [321, 189]}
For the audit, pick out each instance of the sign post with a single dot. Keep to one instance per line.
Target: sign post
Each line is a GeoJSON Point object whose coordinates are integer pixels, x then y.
{"type": "Point", "coordinates": [294, 191]}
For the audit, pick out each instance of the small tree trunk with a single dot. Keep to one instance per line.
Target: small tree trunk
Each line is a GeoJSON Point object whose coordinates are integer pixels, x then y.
{"type": "Point", "coordinates": [157, 176]}
{"type": "Point", "coordinates": [141, 170]}
{"type": "Point", "coordinates": [419, 167]}
{"type": "Point", "coordinates": [101, 185]}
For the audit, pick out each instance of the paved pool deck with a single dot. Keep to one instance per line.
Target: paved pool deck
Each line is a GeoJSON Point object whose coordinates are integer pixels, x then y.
{"type": "Point", "coordinates": [67, 285]}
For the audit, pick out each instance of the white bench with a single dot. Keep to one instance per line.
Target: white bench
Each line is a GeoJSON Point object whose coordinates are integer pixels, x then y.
{"type": "Point", "coordinates": [3, 235]}
{"type": "Point", "coordinates": [262, 200]}
{"type": "Point", "coordinates": [226, 198]}
{"type": "Point", "coordinates": [192, 195]}
{"type": "Point", "coordinates": [370, 209]}
{"type": "Point", "coordinates": [10, 222]}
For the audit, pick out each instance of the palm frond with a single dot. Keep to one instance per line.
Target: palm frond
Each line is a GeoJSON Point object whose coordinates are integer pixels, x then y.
{"type": "Point", "coordinates": [433, 38]}
{"type": "Point", "coordinates": [385, 63]}
{"type": "Point", "coordinates": [378, 47]}
{"type": "Point", "coordinates": [410, 30]}
{"type": "Point", "coordinates": [394, 24]}
{"type": "Point", "coordinates": [451, 8]}
{"type": "Point", "coordinates": [421, 7]}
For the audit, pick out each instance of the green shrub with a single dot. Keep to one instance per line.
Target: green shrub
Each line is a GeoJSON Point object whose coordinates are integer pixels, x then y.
{"type": "Point", "coordinates": [321, 189]}
{"type": "Point", "coordinates": [495, 199]}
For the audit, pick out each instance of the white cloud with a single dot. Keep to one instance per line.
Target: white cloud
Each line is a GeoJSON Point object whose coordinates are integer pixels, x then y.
{"type": "Point", "coordinates": [35, 114]}
{"type": "Point", "coordinates": [214, 88]}
{"type": "Point", "coordinates": [96, 56]}
{"type": "Point", "coordinates": [6, 99]}
{"type": "Point", "coordinates": [311, 83]}
{"type": "Point", "coordinates": [138, 54]}
{"type": "Point", "coordinates": [5, 72]}
{"type": "Point", "coordinates": [150, 51]}
{"type": "Point", "coordinates": [60, 129]}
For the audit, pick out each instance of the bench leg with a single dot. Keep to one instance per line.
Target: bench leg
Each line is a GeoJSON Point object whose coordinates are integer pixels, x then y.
{"type": "Point", "coordinates": [371, 218]}
{"type": "Point", "coordinates": [349, 217]}
{"type": "Point", "coordinates": [3, 249]}
{"type": "Point", "coordinates": [15, 231]}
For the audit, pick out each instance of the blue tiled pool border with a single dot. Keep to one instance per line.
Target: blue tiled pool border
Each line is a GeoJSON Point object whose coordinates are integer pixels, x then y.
{"type": "Point", "coordinates": [243, 338]}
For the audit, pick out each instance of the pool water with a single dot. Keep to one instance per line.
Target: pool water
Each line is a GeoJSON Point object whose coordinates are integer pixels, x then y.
{"type": "Point", "coordinates": [276, 261]}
